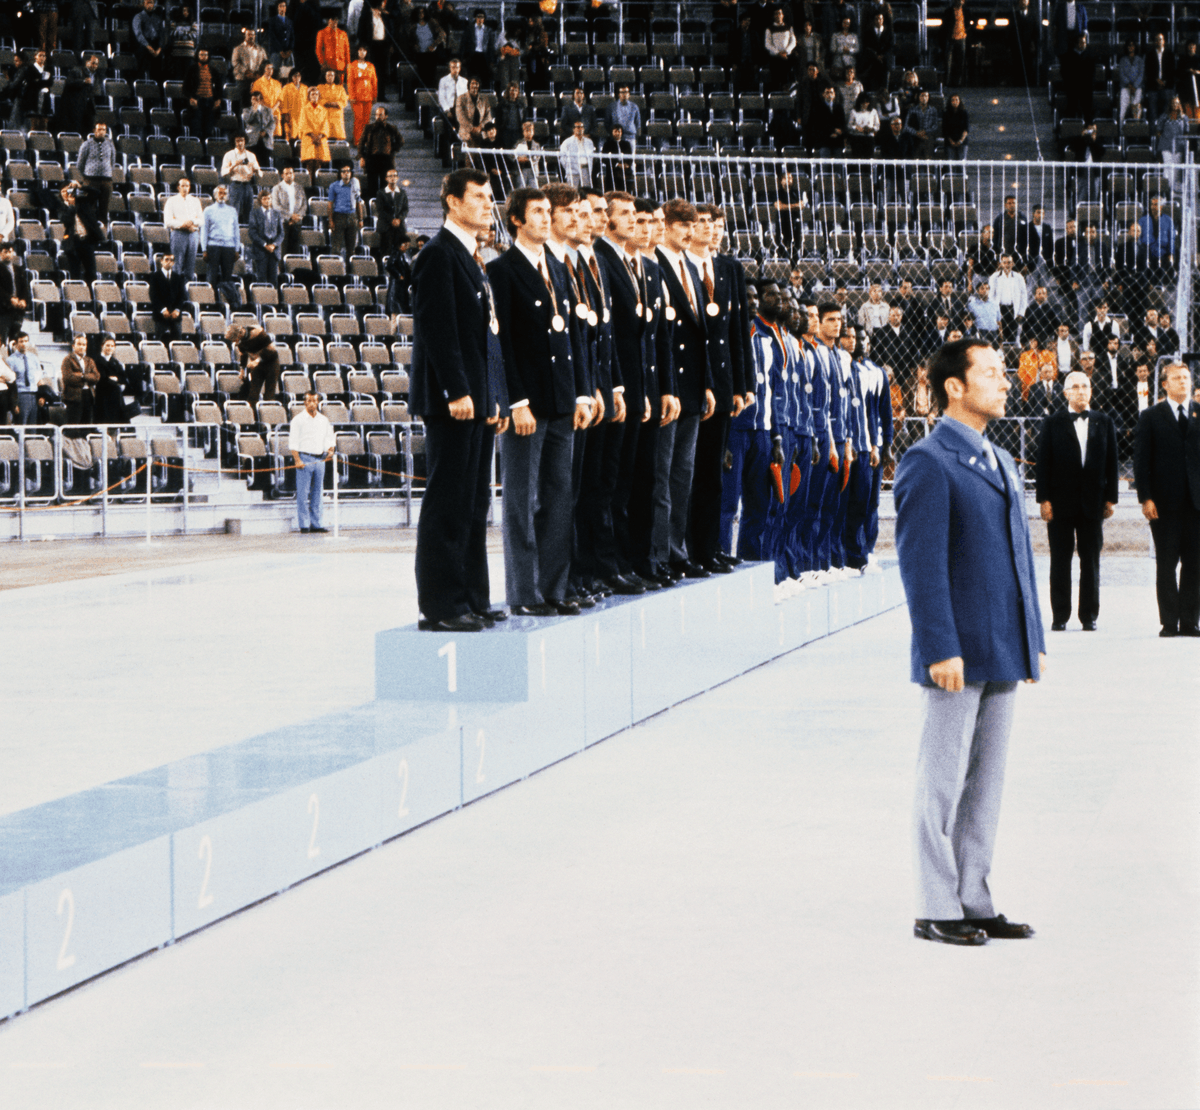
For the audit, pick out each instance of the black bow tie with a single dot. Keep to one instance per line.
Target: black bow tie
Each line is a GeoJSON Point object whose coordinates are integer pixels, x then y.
{"type": "Point", "coordinates": [1079, 415]}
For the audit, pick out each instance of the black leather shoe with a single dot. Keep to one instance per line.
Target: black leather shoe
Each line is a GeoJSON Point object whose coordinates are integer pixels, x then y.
{"type": "Point", "coordinates": [565, 608]}
{"type": "Point", "coordinates": [949, 932]}
{"type": "Point", "coordinates": [691, 570]}
{"type": "Point", "coordinates": [468, 622]}
{"type": "Point", "coordinates": [1089, 626]}
{"type": "Point", "coordinates": [1185, 631]}
{"type": "Point", "coordinates": [543, 610]}
{"type": "Point", "coordinates": [320, 529]}
{"type": "Point", "coordinates": [1058, 626]}
{"type": "Point", "coordinates": [660, 576]}
{"type": "Point", "coordinates": [731, 560]}
{"type": "Point", "coordinates": [999, 927]}
{"type": "Point", "coordinates": [717, 567]}
{"type": "Point", "coordinates": [650, 584]}
{"type": "Point", "coordinates": [584, 601]}
{"type": "Point", "coordinates": [494, 615]}
{"type": "Point", "coordinates": [1167, 633]}
{"type": "Point", "coordinates": [619, 584]}
{"type": "Point", "coordinates": [305, 529]}
{"type": "Point", "coordinates": [673, 572]}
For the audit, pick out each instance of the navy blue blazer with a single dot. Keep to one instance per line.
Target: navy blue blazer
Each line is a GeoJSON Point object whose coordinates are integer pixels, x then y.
{"type": "Point", "coordinates": [725, 341]}
{"type": "Point", "coordinates": [656, 338]}
{"type": "Point", "coordinates": [1166, 465]}
{"type": "Point", "coordinates": [628, 356]}
{"type": "Point", "coordinates": [605, 372]}
{"type": "Point", "coordinates": [539, 362]}
{"type": "Point", "coordinates": [451, 333]}
{"type": "Point", "coordinates": [688, 338]}
{"type": "Point", "coordinates": [966, 560]}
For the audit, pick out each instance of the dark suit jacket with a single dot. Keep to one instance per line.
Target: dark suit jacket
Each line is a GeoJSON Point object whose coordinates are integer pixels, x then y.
{"type": "Point", "coordinates": [389, 207]}
{"type": "Point", "coordinates": [167, 292]}
{"type": "Point", "coordinates": [688, 334]}
{"type": "Point", "coordinates": [629, 359]}
{"type": "Point", "coordinates": [1038, 404]}
{"type": "Point", "coordinates": [1166, 467]}
{"type": "Point", "coordinates": [539, 362]}
{"type": "Point", "coordinates": [656, 338]}
{"type": "Point", "coordinates": [739, 327]}
{"type": "Point", "coordinates": [724, 342]}
{"type": "Point", "coordinates": [966, 560]}
{"type": "Point", "coordinates": [1168, 70]}
{"type": "Point", "coordinates": [1040, 320]}
{"type": "Point", "coordinates": [451, 333]}
{"type": "Point", "coordinates": [15, 286]}
{"type": "Point", "coordinates": [1075, 488]}
{"type": "Point", "coordinates": [604, 370]}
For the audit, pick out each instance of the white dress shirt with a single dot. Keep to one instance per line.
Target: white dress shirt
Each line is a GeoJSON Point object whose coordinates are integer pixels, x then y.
{"type": "Point", "coordinates": [1010, 290]}
{"type": "Point", "coordinates": [449, 90]}
{"type": "Point", "coordinates": [1081, 434]}
{"type": "Point", "coordinates": [180, 210]}
{"type": "Point", "coordinates": [311, 435]}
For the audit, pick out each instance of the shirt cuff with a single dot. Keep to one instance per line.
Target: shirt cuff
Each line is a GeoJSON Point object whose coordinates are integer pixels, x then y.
{"type": "Point", "coordinates": [519, 404]}
{"type": "Point", "coordinates": [583, 400]}
{"type": "Point", "coordinates": [618, 389]}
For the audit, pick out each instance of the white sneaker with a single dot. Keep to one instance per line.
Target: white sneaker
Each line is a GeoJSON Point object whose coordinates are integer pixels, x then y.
{"type": "Point", "coordinates": [872, 568]}
{"type": "Point", "coordinates": [780, 592]}
{"type": "Point", "coordinates": [799, 585]}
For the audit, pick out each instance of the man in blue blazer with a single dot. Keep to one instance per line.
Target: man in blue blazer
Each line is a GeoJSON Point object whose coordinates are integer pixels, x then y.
{"type": "Point", "coordinates": [457, 388]}
{"type": "Point", "coordinates": [967, 566]}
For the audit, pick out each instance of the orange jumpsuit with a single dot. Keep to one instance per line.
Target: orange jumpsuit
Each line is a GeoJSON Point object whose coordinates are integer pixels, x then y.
{"type": "Point", "coordinates": [362, 86]}
{"type": "Point", "coordinates": [291, 104]}
{"type": "Point", "coordinates": [271, 91]}
{"type": "Point", "coordinates": [333, 51]}
{"type": "Point", "coordinates": [334, 101]}
{"type": "Point", "coordinates": [314, 121]}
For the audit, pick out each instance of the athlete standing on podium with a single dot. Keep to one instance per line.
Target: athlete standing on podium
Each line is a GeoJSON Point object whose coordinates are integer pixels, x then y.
{"type": "Point", "coordinates": [458, 390]}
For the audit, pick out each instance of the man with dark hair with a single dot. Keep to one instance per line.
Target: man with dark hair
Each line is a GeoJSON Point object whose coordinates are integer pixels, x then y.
{"type": "Point", "coordinates": [460, 396]}
{"type": "Point", "coordinates": [1077, 491]}
{"type": "Point", "coordinates": [200, 92]}
{"type": "Point", "coordinates": [1166, 473]}
{"type": "Point", "coordinates": [549, 400]}
{"type": "Point", "coordinates": [479, 46]}
{"type": "Point", "coordinates": [168, 298]}
{"type": "Point", "coordinates": [831, 429]}
{"type": "Point", "coordinates": [967, 565]}
{"type": "Point", "coordinates": [1010, 231]}
{"type": "Point", "coordinates": [312, 441]}
{"type": "Point", "coordinates": [14, 292]}
{"type": "Point", "coordinates": [377, 149]}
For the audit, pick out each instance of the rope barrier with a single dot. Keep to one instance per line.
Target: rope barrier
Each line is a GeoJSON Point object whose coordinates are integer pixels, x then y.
{"type": "Point", "coordinates": [66, 504]}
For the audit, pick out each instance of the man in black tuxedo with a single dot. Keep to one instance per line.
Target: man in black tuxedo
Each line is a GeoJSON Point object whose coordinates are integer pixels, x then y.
{"type": "Point", "coordinates": [457, 388]}
{"type": "Point", "coordinates": [617, 253]}
{"type": "Point", "coordinates": [1077, 491]}
{"type": "Point", "coordinates": [168, 298]}
{"type": "Point", "coordinates": [1166, 472]}
{"type": "Point", "coordinates": [549, 400]}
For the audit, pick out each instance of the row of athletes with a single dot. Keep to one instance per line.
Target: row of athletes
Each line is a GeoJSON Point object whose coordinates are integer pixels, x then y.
{"type": "Point", "coordinates": [606, 353]}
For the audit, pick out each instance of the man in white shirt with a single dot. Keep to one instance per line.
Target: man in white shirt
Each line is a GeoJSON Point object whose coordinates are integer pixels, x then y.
{"type": "Point", "coordinates": [1011, 295]}
{"type": "Point", "coordinates": [450, 88]}
{"type": "Point", "coordinates": [529, 167]}
{"type": "Point", "coordinates": [183, 215]}
{"type": "Point", "coordinates": [8, 220]}
{"type": "Point", "coordinates": [576, 157]}
{"type": "Point", "coordinates": [239, 168]}
{"type": "Point", "coordinates": [311, 441]}
{"type": "Point", "coordinates": [874, 311]}
{"type": "Point", "coordinates": [289, 200]}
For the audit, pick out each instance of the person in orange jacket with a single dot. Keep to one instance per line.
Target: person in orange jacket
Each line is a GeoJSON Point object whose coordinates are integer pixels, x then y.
{"type": "Point", "coordinates": [333, 49]}
{"type": "Point", "coordinates": [362, 85]}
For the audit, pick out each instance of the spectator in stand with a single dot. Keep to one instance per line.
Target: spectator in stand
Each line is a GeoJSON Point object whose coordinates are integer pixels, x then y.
{"type": "Point", "coordinates": [151, 39]}
{"type": "Point", "coordinates": [312, 442]}
{"type": "Point", "coordinates": [479, 46]}
{"type": "Point", "coordinates": [391, 214]}
{"type": "Point", "coordinates": [1070, 21]}
{"type": "Point", "coordinates": [923, 124]}
{"type": "Point", "coordinates": [985, 312]}
{"type": "Point", "coordinates": [14, 293]}
{"type": "Point", "coordinates": [271, 92]}
{"type": "Point", "coordinates": [575, 157]}
{"type": "Point", "coordinates": [1066, 350]}
{"type": "Point", "coordinates": [810, 48]}
{"type": "Point", "coordinates": [473, 110]}
{"type": "Point", "coordinates": [862, 126]}
{"type": "Point", "coordinates": [182, 216]}
{"type": "Point", "coordinates": [877, 56]}
{"type": "Point", "coordinates": [200, 91]}
{"type": "Point", "coordinates": [1114, 372]}
{"type": "Point", "coordinates": [378, 146]}
{"type": "Point", "coordinates": [1010, 231]}
{"type": "Point", "coordinates": [291, 105]}
{"type": "Point", "coordinates": [314, 133]}
{"type": "Point", "coordinates": [346, 212]}
{"type": "Point", "coordinates": [982, 260]}
{"type": "Point", "coordinates": [239, 169]}
{"type": "Point", "coordinates": [1131, 78]}
{"type": "Point", "coordinates": [373, 34]}
{"type": "Point", "coordinates": [45, 25]}
{"type": "Point", "coordinates": [1158, 237]}
{"type": "Point", "coordinates": [362, 87]}
{"type": "Point", "coordinates": [281, 34]}
{"type": "Point", "coordinates": [895, 144]}
{"type": "Point", "coordinates": [1045, 396]}
{"type": "Point", "coordinates": [873, 313]}
{"type": "Point", "coordinates": [110, 389]}
{"type": "Point", "coordinates": [849, 89]}
{"type": "Point", "coordinates": [30, 379]}
{"type": "Point", "coordinates": [574, 112]}
{"type": "Point", "coordinates": [1011, 297]}
{"type": "Point", "coordinates": [266, 239]}
{"type": "Point", "coordinates": [1160, 78]}
{"type": "Point", "coordinates": [290, 201]}
{"type": "Point", "coordinates": [536, 53]}
{"type": "Point", "coordinates": [306, 19]}
{"type": "Point", "coordinates": [1168, 339]}
{"type": "Point", "coordinates": [950, 304]}
{"type": "Point", "coordinates": [246, 62]}
{"type": "Point", "coordinates": [843, 47]}
{"type": "Point", "coordinates": [258, 121]}
{"type": "Point", "coordinates": [259, 360]}
{"type": "Point", "coordinates": [1172, 130]}
{"type": "Point", "coordinates": [333, 103]}
{"type": "Point", "coordinates": [510, 114]}
{"type": "Point", "coordinates": [1187, 79]}
{"type": "Point", "coordinates": [617, 172]}
{"type": "Point", "coordinates": [333, 48]}
{"type": "Point", "coordinates": [220, 238]}
{"type": "Point", "coordinates": [779, 41]}
{"type": "Point", "coordinates": [909, 94]}
{"type": "Point", "coordinates": [624, 113]}
{"type": "Point", "coordinates": [79, 378]}
{"type": "Point", "coordinates": [954, 26]}
{"type": "Point", "coordinates": [490, 160]}
{"type": "Point", "coordinates": [892, 345]}
{"type": "Point", "coordinates": [825, 134]}
{"type": "Point", "coordinates": [529, 167]}
{"type": "Point", "coordinates": [1078, 79]}
{"type": "Point", "coordinates": [508, 58]}
{"type": "Point", "coordinates": [745, 56]}
{"type": "Point", "coordinates": [786, 127]}
{"type": "Point", "coordinates": [956, 129]}
{"type": "Point", "coordinates": [1030, 363]}
{"type": "Point", "coordinates": [168, 298]}
{"type": "Point", "coordinates": [790, 202]}
{"type": "Point", "coordinates": [82, 230]}
{"type": "Point", "coordinates": [95, 161]}
{"type": "Point", "coordinates": [1038, 246]}
{"type": "Point", "coordinates": [429, 40]}
{"type": "Point", "coordinates": [1100, 329]}
{"type": "Point", "coordinates": [75, 110]}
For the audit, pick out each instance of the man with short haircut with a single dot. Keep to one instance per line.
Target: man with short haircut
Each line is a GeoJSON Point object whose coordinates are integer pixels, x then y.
{"type": "Point", "coordinates": [873, 312]}
{"type": "Point", "coordinates": [266, 239]}
{"type": "Point", "coordinates": [479, 45]}
{"type": "Point", "coordinates": [220, 238]}
{"type": "Point", "coordinates": [1041, 319]}
{"type": "Point", "coordinates": [1077, 491]}
{"type": "Point", "coordinates": [1011, 297]}
{"type": "Point", "coordinates": [29, 376]}
{"type": "Point", "coordinates": [1166, 473]}
{"type": "Point", "coordinates": [96, 160]}
{"type": "Point", "coordinates": [259, 123]}
{"type": "Point", "coordinates": [239, 168]}
{"type": "Point", "coordinates": [1046, 395]}
{"type": "Point", "coordinates": [14, 293]}
{"type": "Point", "coordinates": [458, 392]}
{"type": "Point", "coordinates": [391, 214]}
{"type": "Point", "coordinates": [625, 114]}
{"type": "Point", "coordinates": [291, 202]}
{"type": "Point", "coordinates": [168, 298]}
{"type": "Point", "coordinates": [150, 39]}
{"type": "Point", "coordinates": [246, 61]}
{"type": "Point", "coordinates": [1010, 231]}
{"type": "Point", "coordinates": [578, 111]}
{"type": "Point", "coordinates": [182, 216]}
{"type": "Point", "coordinates": [575, 157]}
{"type": "Point", "coordinates": [832, 432]}
{"type": "Point", "coordinates": [381, 141]}
{"type": "Point", "coordinates": [312, 441]}
{"type": "Point", "coordinates": [345, 213]}
{"type": "Point", "coordinates": [966, 562]}
{"type": "Point", "coordinates": [472, 111]}
{"type": "Point", "coordinates": [549, 400]}
{"type": "Point", "coordinates": [452, 85]}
